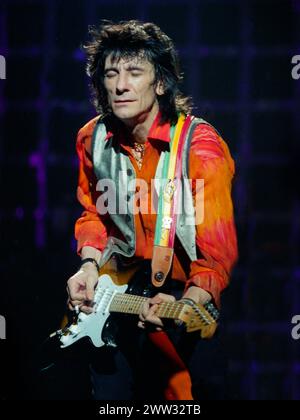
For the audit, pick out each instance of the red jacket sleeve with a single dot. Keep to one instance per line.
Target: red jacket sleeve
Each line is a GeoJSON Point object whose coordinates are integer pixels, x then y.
{"type": "Point", "coordinates": [210, 160]}
{"type": "Point", "coordinates": [90, 228]}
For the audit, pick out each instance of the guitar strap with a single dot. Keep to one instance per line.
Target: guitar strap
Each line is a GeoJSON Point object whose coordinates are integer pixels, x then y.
{"type": "Point", "coordinates": [178, 380]}
{"type": "Point", "coordinates": [168, 201]}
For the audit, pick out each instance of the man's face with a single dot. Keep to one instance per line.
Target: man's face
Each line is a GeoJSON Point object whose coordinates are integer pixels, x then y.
{"type": "Point", "coordinates": [130, 88]}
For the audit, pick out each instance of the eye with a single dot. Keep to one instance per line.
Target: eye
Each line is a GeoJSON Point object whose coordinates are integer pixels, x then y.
{"type": "Point", "coordinates": [110, 74]}
{"type": "Point", "coordinates": [135, 73]}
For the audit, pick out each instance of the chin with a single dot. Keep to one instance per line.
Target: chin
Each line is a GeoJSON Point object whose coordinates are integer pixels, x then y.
{"type": "Point", "coordinates": [125, 115]}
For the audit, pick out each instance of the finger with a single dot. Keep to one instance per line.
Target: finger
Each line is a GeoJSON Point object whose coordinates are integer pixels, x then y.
{"type": "Point", "coordinates": [86, 309]}
{"type": "Point", "coordinates": [148, 314]}
{"type": "Point", "coordinates": [77, 297]}
{"type": "Point", "coordinates": [72, 305]}
{"type": "Point", "coordinates": [75, 289]}
{"type": "Point", "coordinates": [152, 310]}
{"type": "Point", "coordinates": [75, 309]}
{"type": "Point", "coordinates": [90, 284]}
{"type": "Point", "coordinates": [141, 324]}
{"type": "Point", "coordinates": [144, 311]}
{"type": "Point", "coordinates": [142, 317]}
{"type": "Point", "coordinates": [75, 302]}
{"type": "Point", "coordinates": [153, 319]}
{"type": "Point", "coordinates": [162, 297]}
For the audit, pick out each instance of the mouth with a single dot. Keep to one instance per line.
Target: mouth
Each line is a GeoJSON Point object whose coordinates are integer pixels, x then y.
{"type": "Point", "coordinates": [125, 101]}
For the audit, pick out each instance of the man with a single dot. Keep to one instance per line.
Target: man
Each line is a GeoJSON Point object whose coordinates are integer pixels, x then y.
{"type": "Point", "coordinates": [135, 76]}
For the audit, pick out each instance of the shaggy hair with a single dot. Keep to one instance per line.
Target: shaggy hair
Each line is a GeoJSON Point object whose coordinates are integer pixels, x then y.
{"type": "Point", "coordinates": [131, 39]}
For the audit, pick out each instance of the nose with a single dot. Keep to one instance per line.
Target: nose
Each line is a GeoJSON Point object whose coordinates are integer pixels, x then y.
{"type": "Point", "coordinates": [122, 84]}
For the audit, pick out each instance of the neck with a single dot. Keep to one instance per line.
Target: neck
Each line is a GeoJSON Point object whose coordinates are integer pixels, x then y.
{"type": "Point", "coordinates": [139, 128]}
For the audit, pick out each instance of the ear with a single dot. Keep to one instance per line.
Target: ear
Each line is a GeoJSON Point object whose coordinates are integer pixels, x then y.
{"type": "Point", "coordinates": [160, 88]}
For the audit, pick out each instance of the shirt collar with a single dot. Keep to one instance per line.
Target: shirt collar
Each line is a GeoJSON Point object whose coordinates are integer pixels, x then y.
{"type": "Point", "coordinates": [158, 130]}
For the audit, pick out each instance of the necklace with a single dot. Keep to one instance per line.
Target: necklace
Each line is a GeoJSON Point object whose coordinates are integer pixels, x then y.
{"type": "Point", "coordinates": [138, 151]}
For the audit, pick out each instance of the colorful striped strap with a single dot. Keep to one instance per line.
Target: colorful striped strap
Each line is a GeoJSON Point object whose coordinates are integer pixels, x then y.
{"type": "Point", "coordinates": [168, 202]}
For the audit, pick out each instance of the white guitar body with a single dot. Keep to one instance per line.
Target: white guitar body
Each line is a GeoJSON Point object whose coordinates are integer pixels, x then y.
{"type": "Point", "coordinates": [91, 325]}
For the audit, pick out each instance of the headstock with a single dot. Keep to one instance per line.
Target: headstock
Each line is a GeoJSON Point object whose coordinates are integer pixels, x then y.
{"type": "Point", "coordinates": [200, 317]}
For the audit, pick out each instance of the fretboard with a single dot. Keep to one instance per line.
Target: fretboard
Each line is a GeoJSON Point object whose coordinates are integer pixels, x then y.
{"type": "Point", "coordinates": [131, 304]}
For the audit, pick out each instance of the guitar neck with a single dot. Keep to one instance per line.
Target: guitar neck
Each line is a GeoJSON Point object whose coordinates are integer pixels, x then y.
{"type": "Point", "coordinates": [131, 304]}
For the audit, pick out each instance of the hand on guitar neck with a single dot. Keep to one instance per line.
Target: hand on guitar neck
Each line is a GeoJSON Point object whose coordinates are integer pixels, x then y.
{"type": "Point", "coordinates": [149, 308]}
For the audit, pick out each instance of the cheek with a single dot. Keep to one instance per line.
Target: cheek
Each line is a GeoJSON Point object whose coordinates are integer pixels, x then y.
{"type": "Point", "coordinates": [147, 94]}
{"type": "Point", "coordinates": [107, 89]}
{"type": "Point", "coordinates": [109, 97]}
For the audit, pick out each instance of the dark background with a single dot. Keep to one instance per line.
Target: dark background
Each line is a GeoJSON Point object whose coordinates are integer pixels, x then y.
{"type": "Point", "coordinates": [236, 56]}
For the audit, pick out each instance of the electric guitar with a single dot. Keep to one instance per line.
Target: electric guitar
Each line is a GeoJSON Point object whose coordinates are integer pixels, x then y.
{"type": "Point", "coordinates": [110, 297]}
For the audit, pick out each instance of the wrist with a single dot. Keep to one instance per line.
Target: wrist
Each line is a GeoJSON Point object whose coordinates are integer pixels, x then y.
{"type": "Point", "coordinates": [90, 252]}
{"type": "Point", "coordinates": [85, 262]}
{"type": "Point", "coordinates": [197, 294]}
